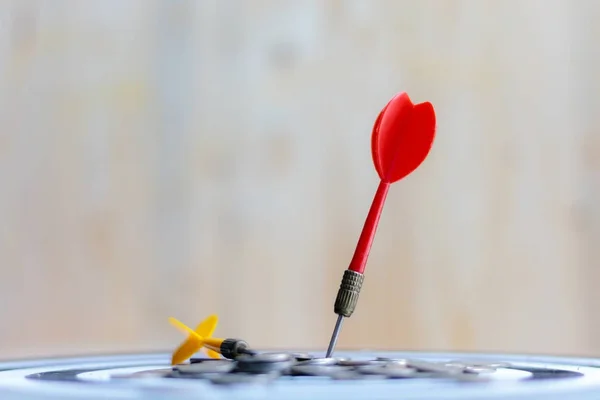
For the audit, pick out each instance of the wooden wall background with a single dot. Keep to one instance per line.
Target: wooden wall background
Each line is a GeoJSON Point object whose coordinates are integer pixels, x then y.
{"type": "Point", "coordinates": [182, 158]}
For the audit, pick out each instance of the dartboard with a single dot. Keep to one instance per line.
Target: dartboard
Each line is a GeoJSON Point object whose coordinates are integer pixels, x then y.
{"type": "Point", "coordinates": [296, 375]}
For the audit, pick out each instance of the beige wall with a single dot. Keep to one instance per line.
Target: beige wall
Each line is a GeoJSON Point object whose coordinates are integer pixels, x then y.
{"type": "Point", "coordinates": [182, 158]}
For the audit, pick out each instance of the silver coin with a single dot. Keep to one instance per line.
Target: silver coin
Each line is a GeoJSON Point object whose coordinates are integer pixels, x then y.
{"type": "Point", "coordinates": [264, 357]}
{"type": "Point", "coordinates": [302, 356]}
{"type": "Point", "coordinates": [322, 361]}
{"type": "Point", "coordinates": [194, 360]}
{"type": "Point", "coordinates": [219, 366]}
{"type": "Point", "coordinates": [481, 363]}
{"type": "Point", "coordinates": [155, 373]}
{"type": "Point", "coordinates": [470, 369]}
{"type": "Point", "coordinates": [203, 376]}
{"type": "Point", "coordinates": [427, 366]}
{"type": "Point", "coordinates": [395, 363]}
{"type": "Point", "coordinates": [318, 370]}
{"type": "Point", "coordinates": [474, 369]}
{"type": "Point", "coordinates": [360, 363]}
{"type": "Point", "coordinates": [355, 376]}
{"type": "Point", "coordinates": [264, 363]}
{"type": "Point", "coordinates": [264, 368]}
{"type": "Point", "coordinates": [390, 372]}
{"type": "Point", "coordinates": [435, 375]}
{"type": "Point", "coordinates": [241, 378]}
{"type": "Point", "coordinates": [455, 364]}
{"type": "Point", "coordinates": [391, 361]}
{"type": "Point", "coordinates": [394, 360]}
{"type": "Point", "coordinates": [463, 367]}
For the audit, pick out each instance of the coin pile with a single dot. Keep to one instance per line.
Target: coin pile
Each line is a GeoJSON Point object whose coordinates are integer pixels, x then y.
{"type": "Point", "coordinates": [265, 367]}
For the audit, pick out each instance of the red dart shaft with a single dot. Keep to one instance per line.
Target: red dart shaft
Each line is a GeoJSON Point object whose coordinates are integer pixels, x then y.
{"type": "Point", "coordinates": [359, 260]}
{"type": "Point", "coordinates": [347, 296]}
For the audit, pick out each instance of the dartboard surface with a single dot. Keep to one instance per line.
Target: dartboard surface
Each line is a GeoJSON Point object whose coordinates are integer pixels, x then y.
{"type": "Point", "coordinates": [295, 375]}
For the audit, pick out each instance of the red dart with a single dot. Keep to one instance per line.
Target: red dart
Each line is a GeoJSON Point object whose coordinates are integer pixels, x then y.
{"type": "Point", "coordinates": [402, 138]}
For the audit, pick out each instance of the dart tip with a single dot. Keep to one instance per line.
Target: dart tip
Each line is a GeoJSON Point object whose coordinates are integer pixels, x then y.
{"type": "Point", "coordinates": [334, 336]}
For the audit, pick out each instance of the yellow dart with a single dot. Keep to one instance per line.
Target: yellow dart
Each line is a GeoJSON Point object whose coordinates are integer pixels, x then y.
{"type": "Point", "coordinates": [202, 337]}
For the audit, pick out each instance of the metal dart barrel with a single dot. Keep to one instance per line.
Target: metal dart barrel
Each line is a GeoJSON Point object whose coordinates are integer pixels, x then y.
{"type": "Point", "coordinates": [233, 348]}
{"type": "Point", "coordinates": [345, 302]}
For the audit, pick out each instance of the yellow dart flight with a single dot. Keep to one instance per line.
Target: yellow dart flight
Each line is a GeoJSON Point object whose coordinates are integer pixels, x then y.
{"type": "Point", "coordinates": [197, 339]}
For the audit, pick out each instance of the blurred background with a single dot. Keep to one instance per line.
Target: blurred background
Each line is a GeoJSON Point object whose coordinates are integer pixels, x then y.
{"type": "Point", "coordinates": [182, 158]}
